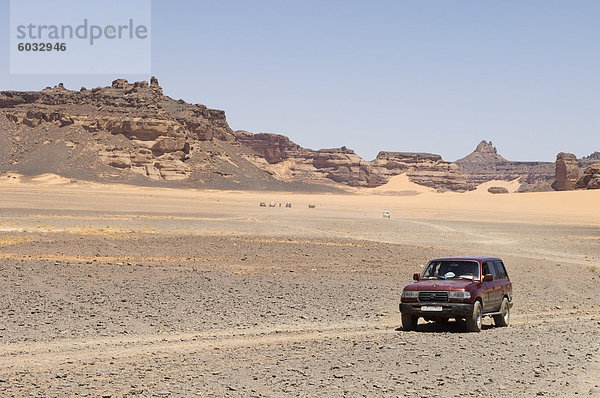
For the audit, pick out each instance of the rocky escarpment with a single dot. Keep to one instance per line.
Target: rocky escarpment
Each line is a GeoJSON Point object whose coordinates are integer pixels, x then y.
{"type": "Point", "coordinates": [127, 132]}
{"type": "Point", "coordinates": [342, 165]}
{"type": "Point", "coordinates": [485, 164]}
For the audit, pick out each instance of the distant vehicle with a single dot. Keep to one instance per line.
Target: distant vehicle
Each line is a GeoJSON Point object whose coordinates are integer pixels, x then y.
{"type": "Point", "coordinates": [263, 204]}
{"type": "Point", "coordinates": [272, 204]}
{"type": "Point", "coordinates": [311, 206]}
{"type": "Point", "coordinates": [387, 214]}
{"type": "Point", "coordinates": [288, 204]}
{"type": "Point", "coordinates": [466, 288]}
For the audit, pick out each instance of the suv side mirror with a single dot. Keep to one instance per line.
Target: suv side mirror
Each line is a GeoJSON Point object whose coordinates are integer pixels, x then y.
{"type": "Point", "coordinates": [488, 277]}
{"type": "Point", "coordinates": [416, 277]}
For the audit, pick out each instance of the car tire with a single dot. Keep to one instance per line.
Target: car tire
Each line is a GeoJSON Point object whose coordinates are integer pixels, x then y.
{"type": "Point", "coordinates": [503, 319]}
{"type": "Point", "coordinates": [409, 322]}
{"type": "Point", "coordinates": [474, 321]}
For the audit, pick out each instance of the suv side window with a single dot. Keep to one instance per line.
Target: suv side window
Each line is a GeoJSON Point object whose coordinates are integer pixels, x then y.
{"type": "Point", "coordinates": [500, 270]}
{"type": "Point", "coordinates": [488, 268]}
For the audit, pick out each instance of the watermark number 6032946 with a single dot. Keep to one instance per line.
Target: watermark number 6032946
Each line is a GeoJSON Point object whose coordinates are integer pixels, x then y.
{"type": "Point", "coordinates": [42, 47]}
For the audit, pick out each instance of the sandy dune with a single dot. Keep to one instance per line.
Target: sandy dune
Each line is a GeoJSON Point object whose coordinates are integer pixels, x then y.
{"type": "Point", "coordinates": [399, 184]}
{"type": "Point", "coordinates": [512, 186]}
{"type": "Point", "coordinates": [132, 291]}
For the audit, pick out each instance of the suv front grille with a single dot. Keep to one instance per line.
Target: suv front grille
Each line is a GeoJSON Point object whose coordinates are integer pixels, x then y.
{"type": "Point", "coordinates": [433, 296]}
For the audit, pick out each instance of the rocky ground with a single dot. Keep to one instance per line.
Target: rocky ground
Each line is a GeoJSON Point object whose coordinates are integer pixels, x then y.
{"type": "Point", "coordinates": [188, 299]}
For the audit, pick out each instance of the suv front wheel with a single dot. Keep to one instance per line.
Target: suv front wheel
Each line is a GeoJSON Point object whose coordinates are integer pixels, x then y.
{"type": "Point", "coordinates": [474, 321]}
{"type": "Point", "coordinates": [409, 322]}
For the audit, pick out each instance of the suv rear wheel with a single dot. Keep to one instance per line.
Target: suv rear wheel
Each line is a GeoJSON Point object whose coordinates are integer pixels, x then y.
{"type": "Point", "coordinates": [409, 322]}
{"type": "Point", "coordinates": [503, 319]}
{"type": "Point", "coordinates": [474, 321]}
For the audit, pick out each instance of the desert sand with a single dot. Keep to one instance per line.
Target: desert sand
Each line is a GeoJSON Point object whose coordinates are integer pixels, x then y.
{"type": "Point", "coordinates": [113, 290]}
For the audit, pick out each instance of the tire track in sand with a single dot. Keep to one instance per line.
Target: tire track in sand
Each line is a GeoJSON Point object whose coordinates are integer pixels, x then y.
{"type": "Point", "coordinates": [47, 355]}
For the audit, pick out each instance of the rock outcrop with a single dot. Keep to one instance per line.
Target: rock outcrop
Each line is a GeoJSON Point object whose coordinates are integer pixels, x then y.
{"type": "Point", "coordinates": [567, 172]}
{"type": "Point", "coordinates": [590, 178]}
{"type": "Point", "coordinates": [342, 165]}
{"type": "Point", "coordinates": [485, 164]}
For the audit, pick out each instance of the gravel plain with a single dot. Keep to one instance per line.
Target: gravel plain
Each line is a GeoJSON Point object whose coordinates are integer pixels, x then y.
{"type": "Point", "coordinates": [154, 295]}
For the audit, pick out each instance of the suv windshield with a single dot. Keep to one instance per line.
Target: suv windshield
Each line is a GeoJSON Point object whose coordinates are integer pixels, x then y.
{"type": "Point", "coordinates": [449, 269]}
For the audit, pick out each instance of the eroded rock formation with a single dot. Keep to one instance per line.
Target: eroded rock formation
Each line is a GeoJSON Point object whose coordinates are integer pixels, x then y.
{"type": "Point", "coordinates": [567, 172]}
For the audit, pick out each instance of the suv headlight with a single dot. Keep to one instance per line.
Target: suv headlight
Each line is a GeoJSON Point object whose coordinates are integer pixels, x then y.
{"type": "Point", "coordinates": [411, 294]}
{"type": "Point", "coordinates": [459, 295]}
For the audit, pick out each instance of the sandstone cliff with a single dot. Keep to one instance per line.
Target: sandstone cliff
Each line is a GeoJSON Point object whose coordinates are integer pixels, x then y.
{"type": "Point", "coordinates": [485, 164]}
{"type": "Point", "coordinates": [342, 165]}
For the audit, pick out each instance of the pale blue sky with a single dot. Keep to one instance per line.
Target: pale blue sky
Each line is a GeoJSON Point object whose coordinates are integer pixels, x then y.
{"type": "Point", "coordinates": [435, 76]}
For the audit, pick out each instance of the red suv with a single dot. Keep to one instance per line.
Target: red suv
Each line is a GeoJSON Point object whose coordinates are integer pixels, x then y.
{"type": "Point", "coordinates": [466, 288]}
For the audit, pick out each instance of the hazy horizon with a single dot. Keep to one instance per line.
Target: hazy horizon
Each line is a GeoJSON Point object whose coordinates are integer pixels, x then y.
{"type": "Point", "coordinates": [402, 76]}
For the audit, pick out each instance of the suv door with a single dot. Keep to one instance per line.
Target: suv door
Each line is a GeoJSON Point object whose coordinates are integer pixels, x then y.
{"type": "Point", "coordinates": [487, 267]}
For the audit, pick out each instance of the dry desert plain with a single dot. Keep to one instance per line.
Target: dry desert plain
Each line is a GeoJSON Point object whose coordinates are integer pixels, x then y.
{"type": "Point", "coordinates": [131, 291]}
